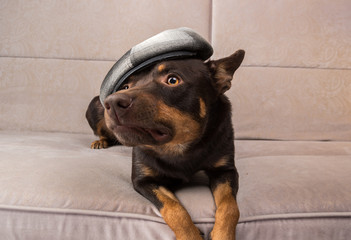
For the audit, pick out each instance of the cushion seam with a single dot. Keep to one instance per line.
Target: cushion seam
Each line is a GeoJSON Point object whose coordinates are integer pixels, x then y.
{"type": "Point", "coordinates": [289, 216]}
{"type": "Point", "coordinates": [94, 213]}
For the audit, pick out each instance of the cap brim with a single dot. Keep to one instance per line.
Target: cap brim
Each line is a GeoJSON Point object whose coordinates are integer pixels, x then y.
{"type": "Point", "coordinates": [170, 44]}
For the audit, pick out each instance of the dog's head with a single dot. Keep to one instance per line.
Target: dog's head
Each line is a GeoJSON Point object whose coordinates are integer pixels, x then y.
{"type": "Point", "coordinates": [166, 106]}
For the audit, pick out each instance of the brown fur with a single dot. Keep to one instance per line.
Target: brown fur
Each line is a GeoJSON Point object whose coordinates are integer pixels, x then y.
{"type": "Point", "coordinates": [227, 213]}
{"type": "Point", "coordinates": [187, 129]}
{"type": "Point", "coordinates": [222, 162]}
{"type": "Point", "coordinates": [176, 216]}
{"type": "Point", "coordinates": [202, 112]}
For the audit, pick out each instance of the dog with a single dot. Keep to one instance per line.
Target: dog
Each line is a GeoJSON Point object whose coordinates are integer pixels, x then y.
{"type": "Point", "coordinates": [177, 119]}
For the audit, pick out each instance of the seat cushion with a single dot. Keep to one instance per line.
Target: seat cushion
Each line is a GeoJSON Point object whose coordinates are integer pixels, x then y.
{"type": "Point", "coordinates": [294, 190]}
{"type": "Point", "coordinates": [53, 186]}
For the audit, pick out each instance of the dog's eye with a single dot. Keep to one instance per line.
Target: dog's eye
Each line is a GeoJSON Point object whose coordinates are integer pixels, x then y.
{"type": "Point", "coordinates": [124, 87]}
{"type": "Point", "coordinates": [172, 80]}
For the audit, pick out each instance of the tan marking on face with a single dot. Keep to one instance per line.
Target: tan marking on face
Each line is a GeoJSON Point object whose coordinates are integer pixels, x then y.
{"type": "Point", "coordinates": [161, 67]}
{"type": "Point", "coordinates": [186, 129]}
{"type": "Point", "coordinates": [227, 213]}
{"type": "Point", "coordinates": [175, 215]}
{"type": "Point", "coordinates": [202, 108]}
{"type": "Point", "coordinates": [222, 162]}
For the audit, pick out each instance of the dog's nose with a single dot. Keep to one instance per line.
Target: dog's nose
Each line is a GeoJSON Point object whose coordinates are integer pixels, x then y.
{"type": "Point", "coordinates": [119, 102]}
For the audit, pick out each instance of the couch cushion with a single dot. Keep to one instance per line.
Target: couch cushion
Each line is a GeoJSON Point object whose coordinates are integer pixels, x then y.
{"type": "Point", "coordinates": [52, 186]}
{"type": "Point", "coordinates": [294, 190]}
{"type": "Point", "coordinates": [291, 104]}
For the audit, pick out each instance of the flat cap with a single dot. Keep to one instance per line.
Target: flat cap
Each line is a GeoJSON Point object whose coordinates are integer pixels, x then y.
{"type": "Point", "coordinates": [169, 44]}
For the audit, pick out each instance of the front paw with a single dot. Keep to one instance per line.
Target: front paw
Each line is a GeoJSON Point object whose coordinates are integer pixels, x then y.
{"type": "Point", "coordinates": [221, 236]}
{"type": "Point", "coordinates": [99, 144]}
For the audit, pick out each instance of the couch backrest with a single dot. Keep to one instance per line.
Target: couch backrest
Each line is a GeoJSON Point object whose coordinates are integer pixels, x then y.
{"type": "Point", "coordinates": [55, 54]}
{"type": "Point", "coordinates": [292, 104]}
{"type": "Point", "coordinates": [295, 83]}
{"type": "Point", "coordinates": [296, 79]}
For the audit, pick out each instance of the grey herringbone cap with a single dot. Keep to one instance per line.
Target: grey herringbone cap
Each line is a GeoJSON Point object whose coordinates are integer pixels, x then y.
{"type": "Point", "coordinates": [170, 44]}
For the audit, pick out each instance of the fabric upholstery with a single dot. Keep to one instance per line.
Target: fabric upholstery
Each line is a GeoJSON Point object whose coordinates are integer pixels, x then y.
{"type": "Point", "coordinates": [48, 95]}
{"type": "Point", "coordinates": [54, 186]}
{"type": "Point", "coordinates": [291, 113]}
{"type": "Point", "coordinates": [295, 83]}
{"type": "Point", "coordinates": [92, 30]}
{"type": "Point", "coordinates": [291, 103]}
{"type": "Point", "coordinates": [54, 95]}
{"type": "Point", "coordinates": [56, 60]}
{"type": "Point", "coordinates": [313, 34]}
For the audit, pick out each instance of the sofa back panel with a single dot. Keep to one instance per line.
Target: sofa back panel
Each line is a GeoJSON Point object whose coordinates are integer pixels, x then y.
{"type": "Point", "coordinates": [48, 94]}
{"type": "Point", "coordinates": [92, 29]}
{"type": "Point", "coordinates": [55, 54]}
{"type": "Point", "coordinates": [314, 33]}
{"type": "Point", "coordinates": [291, 104]}
{"type": "Point", "coordinates": [295, 82]}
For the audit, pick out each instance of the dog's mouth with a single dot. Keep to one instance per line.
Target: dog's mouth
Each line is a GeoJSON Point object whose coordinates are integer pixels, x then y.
{"type": "Point", "coordinates": [136, 125]}
{"type": "Point", "coordinates": [158, 132]}
{"type": "Point", "coordinates": [160, 135]}
{"type": "Point", "coordinates": [157, 135]}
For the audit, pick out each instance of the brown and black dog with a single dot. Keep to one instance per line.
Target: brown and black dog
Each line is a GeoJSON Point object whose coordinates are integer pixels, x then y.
{"type": "Point", "coordinates": [178, 120]}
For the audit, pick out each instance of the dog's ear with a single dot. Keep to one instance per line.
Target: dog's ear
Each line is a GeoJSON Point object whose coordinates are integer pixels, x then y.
{"type": "Point", "coordinates": [222, 70]}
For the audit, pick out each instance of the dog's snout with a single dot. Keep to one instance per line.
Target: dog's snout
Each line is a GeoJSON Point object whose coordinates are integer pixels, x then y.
{"type": "Point", "coordinates": [119, 102]}
{"type": "Point", "coordinates": [123, 101]}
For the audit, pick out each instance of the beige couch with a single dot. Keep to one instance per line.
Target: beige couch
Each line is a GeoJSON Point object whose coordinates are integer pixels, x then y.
{"type": "Point", "coordinates": [291, 103]}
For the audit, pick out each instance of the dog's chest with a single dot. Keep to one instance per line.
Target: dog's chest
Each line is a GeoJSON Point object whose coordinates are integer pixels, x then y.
{"type": "Point", "coordinates": [173, 167]}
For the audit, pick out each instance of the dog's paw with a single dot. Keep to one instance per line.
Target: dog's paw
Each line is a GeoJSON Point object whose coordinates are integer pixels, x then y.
{"type": "Point", "coordinates": [224, 236]}
{"type": "Point", "coordinates": [99, 144]}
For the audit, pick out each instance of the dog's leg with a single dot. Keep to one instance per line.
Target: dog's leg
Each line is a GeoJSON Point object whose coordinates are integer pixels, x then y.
{"type": "Point", "coordinates": [174, 214]}
{"type": "Point", "coordinates": [96, 120]}
{"type": "Point", "coordinates": [224, 186]}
